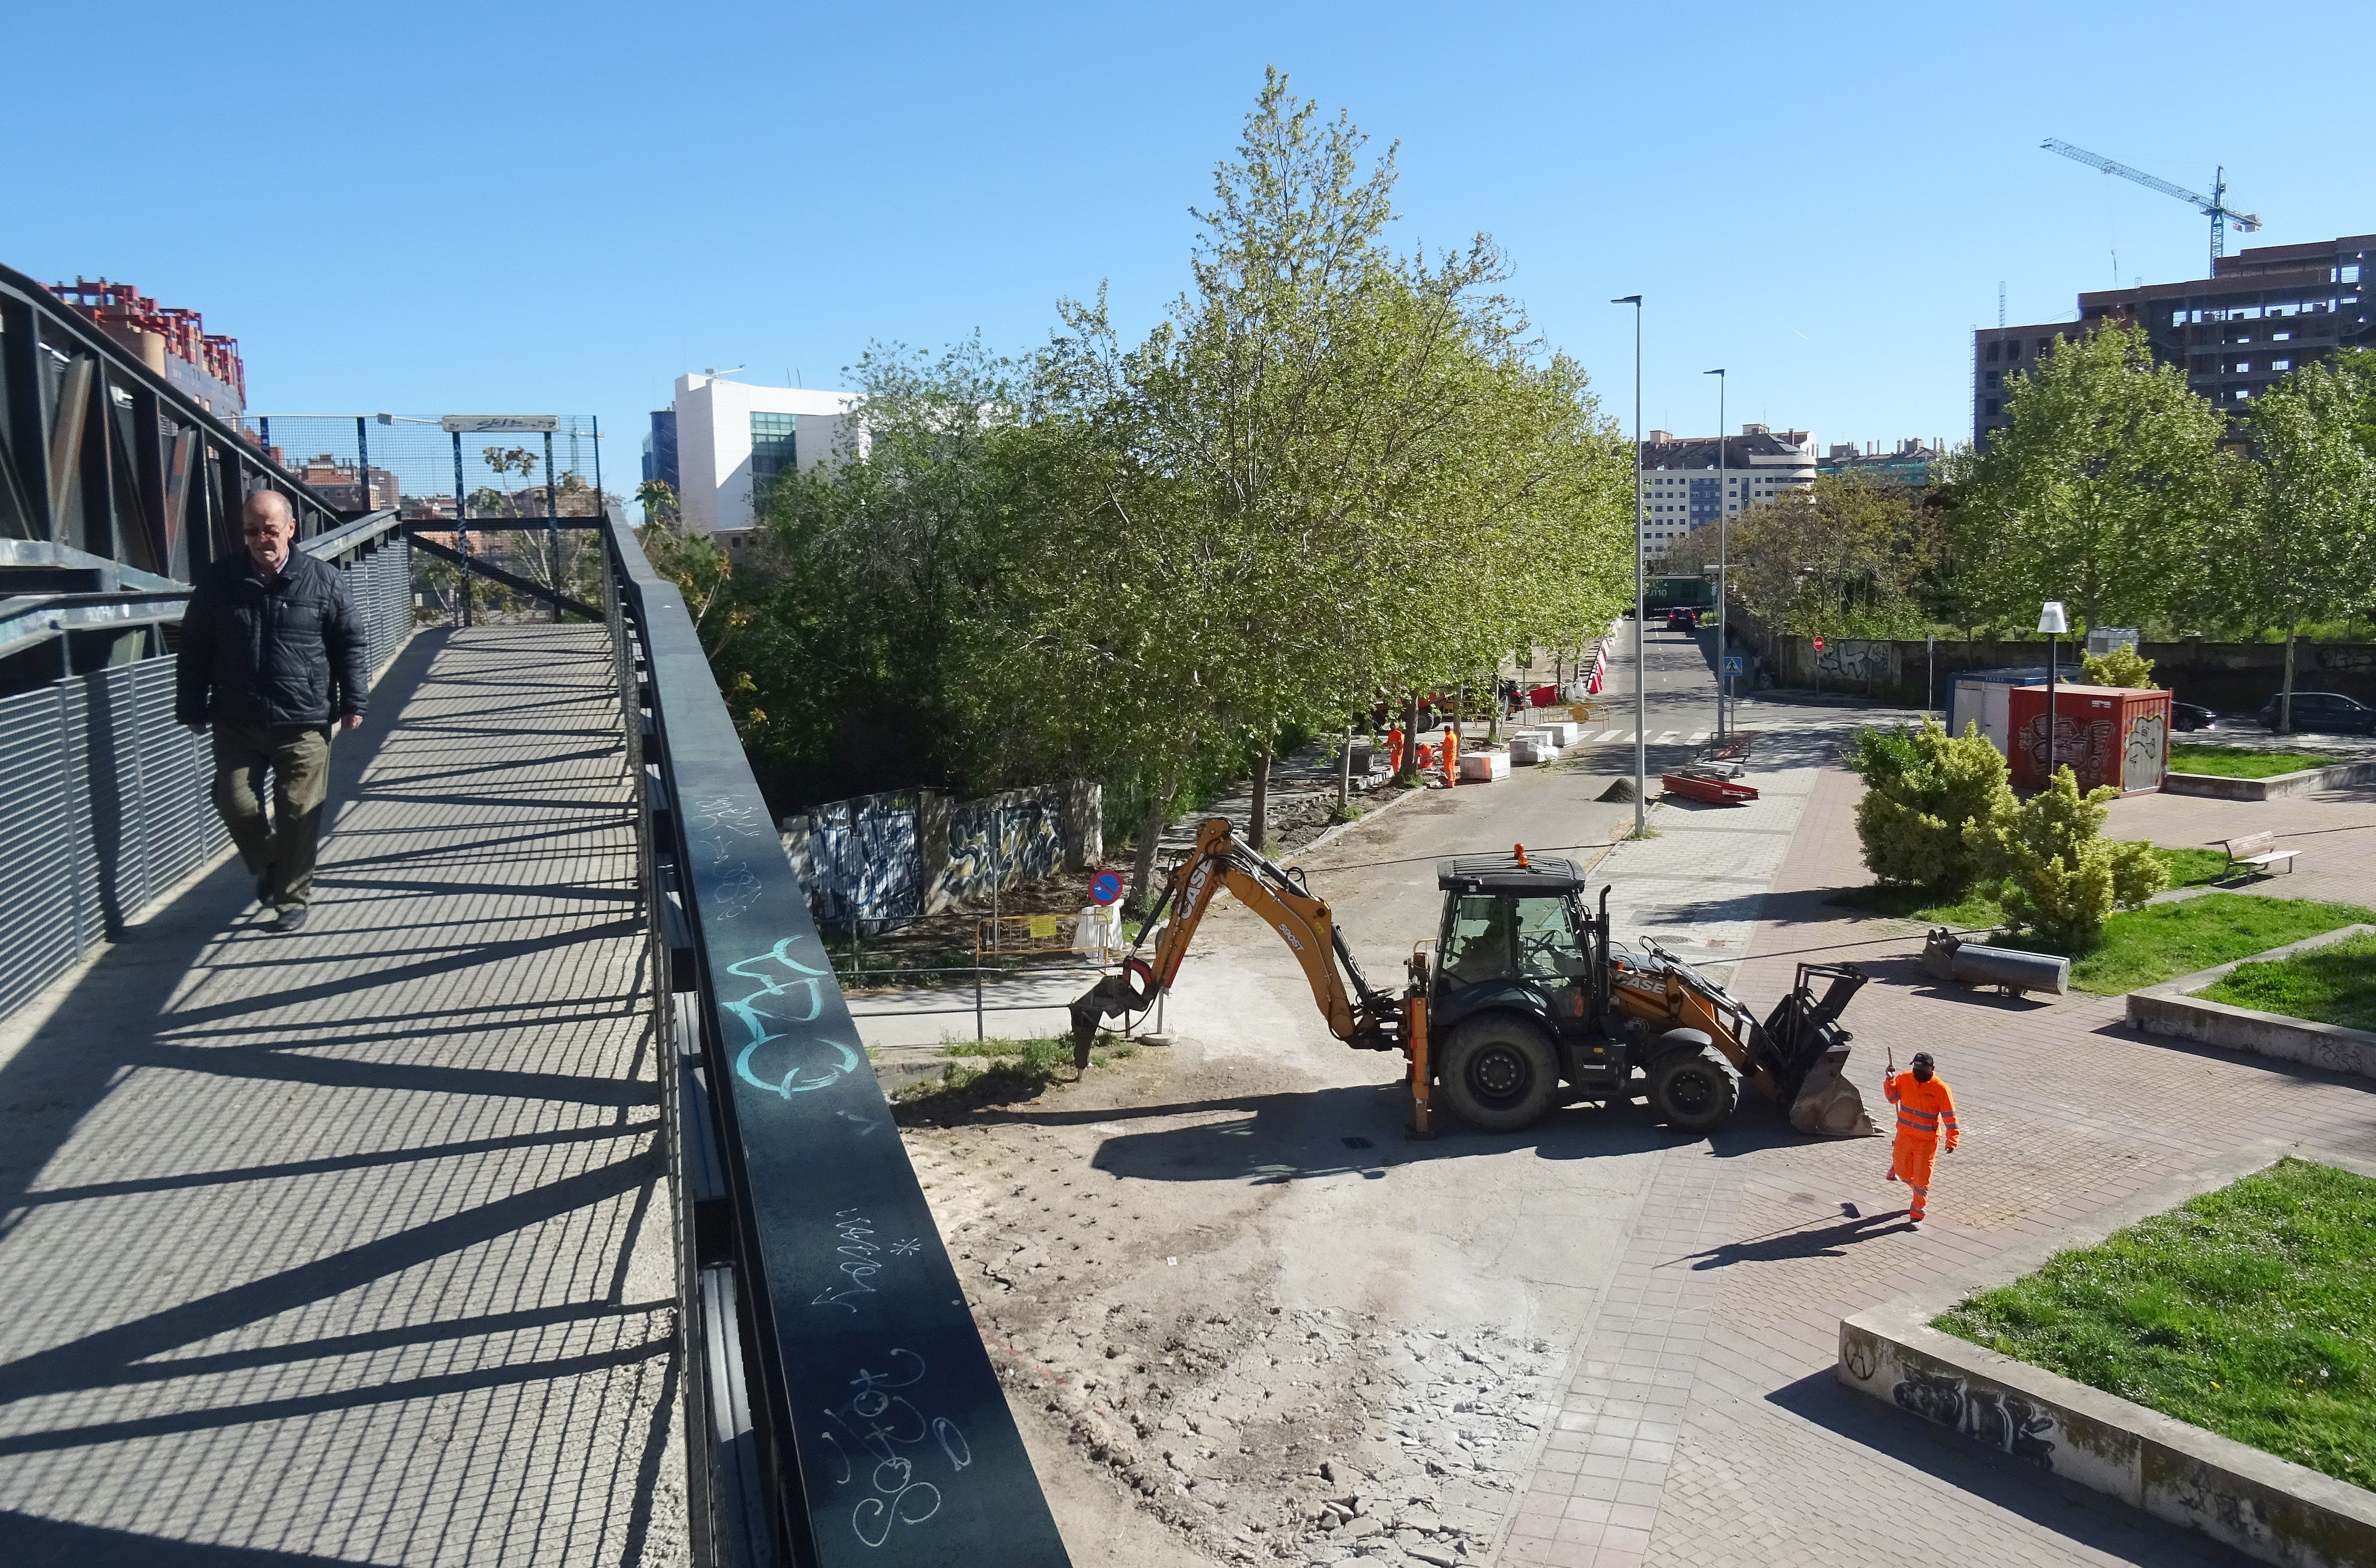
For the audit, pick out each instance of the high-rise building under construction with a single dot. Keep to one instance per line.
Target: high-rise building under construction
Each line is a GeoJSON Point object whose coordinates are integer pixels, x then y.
{"type": "Point", "coordinates": [2260, 313]}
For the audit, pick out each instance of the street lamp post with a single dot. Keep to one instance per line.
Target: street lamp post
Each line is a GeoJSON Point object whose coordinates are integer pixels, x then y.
{"type": "Point", "coordinates": [1641, 598]}
{"type": "Point", "coordinates": [2054, 623]}
{"type": "Point", "coordinates": [1723, 552]}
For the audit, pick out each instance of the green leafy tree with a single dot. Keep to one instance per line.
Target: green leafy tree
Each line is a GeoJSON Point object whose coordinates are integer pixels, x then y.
{"type": "Point", "coordinates": [2102, 492]}
{"type": "Point", "coordinates": [2061, 877]}
{"type": "Point", "coordinates": [2303, 544]}
{"type": "Point", "coordinates": [1841, 557]}
{"type": "Point", "coordinates": [1923, 789]}
{"type": "Point", "coordinates": [2122, 667]}
{"type": "Point", "coordinates": [693, 563]}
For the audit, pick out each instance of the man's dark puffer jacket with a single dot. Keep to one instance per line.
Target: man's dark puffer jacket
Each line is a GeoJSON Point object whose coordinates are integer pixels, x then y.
{"type": "Point", "coordinates": [288, 653]}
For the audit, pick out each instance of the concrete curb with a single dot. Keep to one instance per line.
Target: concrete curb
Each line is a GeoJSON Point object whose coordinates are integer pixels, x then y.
{"type": "Point", "coordinates": [2338, 776]}
{"type": "Point", "coordinates": [2263, 1506]}
{"type": "Point", "coordinates": [2168, 1009]}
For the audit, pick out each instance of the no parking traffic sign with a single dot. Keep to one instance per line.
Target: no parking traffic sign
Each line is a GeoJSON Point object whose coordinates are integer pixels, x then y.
{"type": "Point", "coordinates": [1105, 888]}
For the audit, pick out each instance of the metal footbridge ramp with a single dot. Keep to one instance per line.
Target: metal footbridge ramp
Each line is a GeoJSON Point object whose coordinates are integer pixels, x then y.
{"type": "Point", "coordinates": [534, 1204]}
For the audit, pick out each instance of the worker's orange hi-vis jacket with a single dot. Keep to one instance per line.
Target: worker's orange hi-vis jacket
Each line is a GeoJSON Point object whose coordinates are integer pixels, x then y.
{"type": "Point", "coordinates": [1924, 1111]}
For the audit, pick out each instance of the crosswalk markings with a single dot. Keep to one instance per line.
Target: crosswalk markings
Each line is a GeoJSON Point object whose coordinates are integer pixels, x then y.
{"type": "Point", "coordinates": [1667, 736]}
{"type": "Point", "coordinates": [1696, 736]}
{"type": "Point", "coordinates": [1607, 735]}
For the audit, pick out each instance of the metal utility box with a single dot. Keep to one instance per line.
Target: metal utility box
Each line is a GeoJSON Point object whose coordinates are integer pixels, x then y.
{"type": "Point", "coordinates": [2115, 735]}
{"type": "Point", "coordinates": [1982, 698]}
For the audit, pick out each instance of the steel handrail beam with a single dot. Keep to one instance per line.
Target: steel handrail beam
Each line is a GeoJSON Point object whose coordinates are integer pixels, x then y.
{"type": "Point", "coordinates": [884, 1435]}
{"type": "Point", "coordinates": [357, 530]}
{"type": "Point", "coordinates": [482, 568]}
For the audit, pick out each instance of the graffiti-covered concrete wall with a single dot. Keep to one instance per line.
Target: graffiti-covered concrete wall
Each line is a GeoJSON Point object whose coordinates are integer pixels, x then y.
{"type": "Point", "coordinates": [881, 860]}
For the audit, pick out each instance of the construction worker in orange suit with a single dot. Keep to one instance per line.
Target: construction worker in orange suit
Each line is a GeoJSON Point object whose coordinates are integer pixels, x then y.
{"type": "Point", "coordinates": [1925, 1110]}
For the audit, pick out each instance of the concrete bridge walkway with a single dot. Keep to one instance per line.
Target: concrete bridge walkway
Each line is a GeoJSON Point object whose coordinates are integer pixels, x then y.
{"type": "Point", "coordinates": [354, 1246]}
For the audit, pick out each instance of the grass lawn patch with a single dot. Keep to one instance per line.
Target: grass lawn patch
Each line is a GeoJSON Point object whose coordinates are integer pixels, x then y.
{"type": "Point", "coordinates": [2334, 984]}
{"type": "Point", "coordinates": [2244, 1312]}
{"type": "Point", "coordinates": [2243, 762]}
{"type": "Point", "coordinates": [2160, 942]}
{"type": "Point", "coordinates": [2190, 867]}
{"type": "Point", "coordinates": [1925, 906]}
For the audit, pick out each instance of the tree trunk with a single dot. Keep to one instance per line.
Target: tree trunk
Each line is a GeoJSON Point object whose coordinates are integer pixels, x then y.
{"type": "Point", "coordinates": [1345, 773]}
{"type": "Point", "coordinates": [1150, 834]}
{"type": "Point", "coordinates": [2286, 692]}
{"type": "Point", "coordinates": [1258, 824]}
{"type": "Point", "coordinates": [1411, 744]}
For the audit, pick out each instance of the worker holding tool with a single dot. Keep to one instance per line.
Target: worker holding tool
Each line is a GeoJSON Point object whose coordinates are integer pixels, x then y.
{"type": "Point", "coordinates": [1925, 1108]}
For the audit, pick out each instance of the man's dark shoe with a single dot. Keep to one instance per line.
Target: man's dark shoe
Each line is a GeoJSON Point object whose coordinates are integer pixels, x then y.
{"type": "Point", "coordinates": [292, 919]}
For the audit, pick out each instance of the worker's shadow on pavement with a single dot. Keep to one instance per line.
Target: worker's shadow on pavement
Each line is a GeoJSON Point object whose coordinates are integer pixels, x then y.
{"type": "Point", "coordinates": [1355, 1130]}
{"type": "Point", "coordinates": [1823, 1242]}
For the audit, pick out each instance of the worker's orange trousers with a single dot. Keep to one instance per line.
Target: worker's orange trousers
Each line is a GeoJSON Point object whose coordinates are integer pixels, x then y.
{"type": "Point", "coordinates": [1910, 1161]}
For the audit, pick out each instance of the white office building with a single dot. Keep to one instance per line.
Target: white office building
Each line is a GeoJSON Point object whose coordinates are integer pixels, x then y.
{"type": "Point", "coordinates": [1687, 482]}
{"type": "Point", "coordinates": [733, 439]}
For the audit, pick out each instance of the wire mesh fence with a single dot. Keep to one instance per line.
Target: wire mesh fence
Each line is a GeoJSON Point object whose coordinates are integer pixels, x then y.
{"type": "Point", "coordinates": [491, 495]}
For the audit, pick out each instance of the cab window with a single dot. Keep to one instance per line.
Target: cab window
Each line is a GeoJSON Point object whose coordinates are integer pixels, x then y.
{"type": "Point", "coordinates": [1548, 947]}
{"type": "Point", "coordinates": [1478, 946]}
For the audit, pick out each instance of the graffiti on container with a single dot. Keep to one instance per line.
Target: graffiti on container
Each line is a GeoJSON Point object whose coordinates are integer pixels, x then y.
{"type": "Point", "coordinates": [1853, 660]}
{"type": "Point", "coordinates": [2148, 744]}
{"type": "Point", "coordinates": [2082, 746]}
{"type": "Point", "coordinates": [785, 992]}
{"type": "Point", "coordinates": [2004, 1420]}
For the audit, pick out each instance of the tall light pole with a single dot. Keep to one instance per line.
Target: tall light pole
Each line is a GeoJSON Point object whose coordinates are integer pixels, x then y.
{"type": "Point", "coordinates": [1723, 550]}
{"type": "Point", "coordinates": [1641, 599]}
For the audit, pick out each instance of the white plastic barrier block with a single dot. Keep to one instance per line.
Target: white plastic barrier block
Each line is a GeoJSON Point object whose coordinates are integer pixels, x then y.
{"type": "Point", "coordinates": [1526, 751]}
{"type": "Point", "coordinates": [1485, 767]}
{"type": "Point", "coordinates": [1565, 732]}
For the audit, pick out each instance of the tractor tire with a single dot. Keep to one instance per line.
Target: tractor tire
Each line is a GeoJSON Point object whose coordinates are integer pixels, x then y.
{"type": "Point", "coordinates": [1694, 1091]}
{"type": "Point", "coordinates": [1499, 1074]}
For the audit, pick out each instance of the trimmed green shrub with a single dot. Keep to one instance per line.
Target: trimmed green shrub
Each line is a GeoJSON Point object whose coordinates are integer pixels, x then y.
{"type": "Point", "coordinates": [2060, 875]}
{"type": "Point", "coordinates": [2122, 667]}
{"type": "Point", "coordinates": [1923, 788]}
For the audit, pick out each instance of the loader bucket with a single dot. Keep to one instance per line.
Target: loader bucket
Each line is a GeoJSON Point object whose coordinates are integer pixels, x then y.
{"type": "Point", "coordinates": [1827, 1104]}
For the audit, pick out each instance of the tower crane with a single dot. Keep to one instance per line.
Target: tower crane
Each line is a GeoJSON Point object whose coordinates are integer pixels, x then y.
{"type": "Point", "coordinates": [2214, 207]}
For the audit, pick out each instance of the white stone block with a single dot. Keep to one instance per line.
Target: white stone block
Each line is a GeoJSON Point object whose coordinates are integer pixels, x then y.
{"type": "Point", "coordinates": [1484, 768]}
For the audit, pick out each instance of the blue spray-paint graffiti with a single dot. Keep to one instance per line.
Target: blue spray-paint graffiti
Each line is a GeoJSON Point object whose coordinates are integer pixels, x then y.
{"type": "Point", "coordinates": [753, 1011]}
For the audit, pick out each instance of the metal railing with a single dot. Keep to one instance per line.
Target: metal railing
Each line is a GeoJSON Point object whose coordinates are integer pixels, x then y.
{"type": "Point", "coordinates": [841, 1408]}
{"type": "Point", "coordinates": [106, 466]}
{"type": "Point", "coordinates": [103, 801]}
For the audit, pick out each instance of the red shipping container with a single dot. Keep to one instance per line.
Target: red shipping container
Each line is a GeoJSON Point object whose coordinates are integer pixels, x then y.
{"type": "Point", "coordinates": [2115, 735]}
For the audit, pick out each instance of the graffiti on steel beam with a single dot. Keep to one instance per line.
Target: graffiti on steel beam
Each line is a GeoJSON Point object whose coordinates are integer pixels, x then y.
{"type": "Point", "coordinates": [881, 1424]}
{"type": "Point", "coordinates": [735, 887]}
{"type": "Point", "coordinates": [793, 979]}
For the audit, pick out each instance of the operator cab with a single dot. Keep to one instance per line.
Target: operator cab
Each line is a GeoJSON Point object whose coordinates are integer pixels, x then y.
{"type": "Point", "coordinates": [1521, 958]}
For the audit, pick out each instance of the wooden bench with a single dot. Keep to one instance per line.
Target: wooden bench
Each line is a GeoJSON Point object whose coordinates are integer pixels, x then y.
{"type": "Point", "coordinates": [2258, 850]}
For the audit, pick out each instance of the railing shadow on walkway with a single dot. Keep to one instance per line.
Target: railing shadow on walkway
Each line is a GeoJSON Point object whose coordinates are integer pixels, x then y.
{"type": "Point", "coordinates": [437, 1222]}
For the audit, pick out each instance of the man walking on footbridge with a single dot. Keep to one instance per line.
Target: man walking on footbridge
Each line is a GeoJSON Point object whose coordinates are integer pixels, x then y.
{"type": "Point", "coordinates": [1925, 1108]}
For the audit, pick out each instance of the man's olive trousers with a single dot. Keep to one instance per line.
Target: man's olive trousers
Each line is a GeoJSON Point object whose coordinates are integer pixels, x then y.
{"type": "Point", "coordinates": [297, 759]}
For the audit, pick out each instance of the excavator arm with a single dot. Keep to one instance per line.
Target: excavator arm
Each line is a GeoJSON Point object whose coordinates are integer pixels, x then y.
{"type": "Point", "coordinates": [1356, 1013]}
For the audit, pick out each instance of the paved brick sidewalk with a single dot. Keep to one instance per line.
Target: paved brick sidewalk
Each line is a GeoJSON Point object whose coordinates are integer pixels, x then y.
{"type": "Point", "coordinates": [1702, 1426]}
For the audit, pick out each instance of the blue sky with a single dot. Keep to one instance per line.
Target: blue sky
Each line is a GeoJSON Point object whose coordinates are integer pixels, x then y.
{"type": "Point", "coordinates": [429, 208]}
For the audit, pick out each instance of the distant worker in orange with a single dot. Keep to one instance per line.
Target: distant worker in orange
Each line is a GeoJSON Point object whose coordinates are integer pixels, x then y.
{"type": "Point", "coordinates": [1925, 1110]}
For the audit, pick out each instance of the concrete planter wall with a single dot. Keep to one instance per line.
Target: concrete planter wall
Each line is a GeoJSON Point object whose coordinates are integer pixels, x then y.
{"type": "Point", "coordinates": [2336, 775]}
{"type": "Point", "coordinates": [2262, 1505]}
{"type": "Point", "coordinates": [2168, 1009]}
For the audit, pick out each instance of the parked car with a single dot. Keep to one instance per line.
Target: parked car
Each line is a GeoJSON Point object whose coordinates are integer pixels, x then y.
{"type": "Point", "coordinates": [2192, 715]}
{"type": "Point", "coordinates": [2324, 713]}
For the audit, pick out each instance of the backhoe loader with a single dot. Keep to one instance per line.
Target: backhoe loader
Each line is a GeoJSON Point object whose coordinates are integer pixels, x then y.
{"type": "Point", "coordinates": [1527, 1003]}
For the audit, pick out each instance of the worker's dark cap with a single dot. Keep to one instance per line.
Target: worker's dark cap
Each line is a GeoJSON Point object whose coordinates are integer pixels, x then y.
{"type": "Point", "coordinates": [1543, 876]}
{"type": "Point", "coordinates": [1922, 1059]}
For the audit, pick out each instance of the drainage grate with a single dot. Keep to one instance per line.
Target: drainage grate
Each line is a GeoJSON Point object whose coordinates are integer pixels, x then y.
{"type": "Point", "coordinates": [1356, 1143]}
